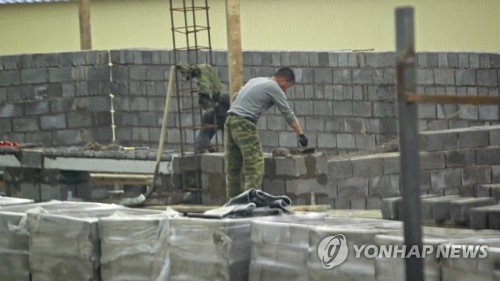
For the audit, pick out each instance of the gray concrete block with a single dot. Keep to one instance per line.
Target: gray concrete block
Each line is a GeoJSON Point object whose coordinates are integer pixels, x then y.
{"type": "Point", "coordinates": [427, 111]}
{"type": "Point", "coordinates": [10, 77]}
{"type": "Point", "coordinates": [441, 208]}
{"type": "Point", "coordinates": [342, 203]}
{"type": "Point", "coordinates": [306, 186]}
{"type": "Point", "coordinates": [327, 140]}
{"type": "Point", "coordinates": [346, 141]}
{"type": "Point", "coordinates": [445, 178]}
{"type": "Point", "coordinates": [488, 112]}
{"type": "Point", "coordinates": [36, 75]}
{"type": "Point", "coordinates": [32, 159]}
{"type": "Point", "coordinates": [25, 124]}
{"type": "Point", "coordinates": [425, 77]}
{"type": "Point", "coordinates": [212, 163]}
{"type": "Point", "coordinates": [341, 108]}
{"type": "Point", "coordinates": [53, 122]}
{"type": "Point", "coordinates": [444, 76]}
{"type": "Point", "coordinates": [268, 138]}
{"type": "Point", "coordinates": [375, 60]}
{"type": "Point", "coordinates": [323, 75]}
{"type": "Point", "coordinates": [385, 186]}
{"type": "Point", "coordinates": [474, 138]}
{"type": "Point", "coordinates": [362, 109]}
{"type": "Point", "coordinates": [479, 216]}
{"type": "Point", "coordinates": [36, 107]}
{"type": "Point", "coordinates": [488, 190]}
{"type": "Point", "coordinates": [354, 125]}
{"type": "Point", "coordinates": [339, 168]}
{"type": "Point", "coordinates": [391, 163]}
{"type": "Point", "coordinates": [432, 160]}
{"type": "Point", "coordinates": [427, 204]}
{"type": "Point", "coordinates": [5, 125]}
{"type": "Point", "coordinates": [29, 191]}
{"type": "Point", "coordinates": [138, 72]}
{"type": "Point", "coordinates": [460, 158]}
{"type": "Point", "coordinates": [469, 112]}
{"type": "Point", "coordinates": [304, 107]}
{"type": "Point", "coordinates": [463, 60]}
{"type": "Point", "coordinates": [384, 109]}
{"type": "Point", "coordinates": [373, 203]}
{"type": "Point", "coordinates": [488, 156]}
{"type": "Point", "coordinates": [324, 108]}
{"type": "Point", "coordinates": [439, 140]}
{"type": "Point", "coordinates": [365, 142]}
{"type": "Point", "coordinates": [294, 166]}
{"type": "Point", "coordinates": [460, 208]}
{"type": "Point", "coordinates": [313, 123]}
{"type": "Point", "coordinates": [367, 166]}
{"type": "Point", "coordinates": [287, 139]}
{"type": "Point", "coordinates": [342, 76]}
{"type": "Point", "coordinates": [390, 208]}
{"type": "Point", "coordinates": [487, 78]}
{"type": "Point", "coordinates": [335, 125]}
{"type": "Point", "coordinates": [61, 74]}
{"type": "Point", "coordinates": [352, 188]}
{"type": "Point", "coordinates": [381, 93]}
{"type": "Point", "coordinates": [357, 203]}
{"type": "Point", "coordinates": [476, 175]}
{"type": "Point", "coordinates": [388, 125]}
{"type": "Point", "coordinates": [465, 77]}
{"type": "Point", "coordinates": [274, 186]}
{"type": "Point", "coordinates": [361, 76]}
{"type": "Point", "coordinates": [494, 219]}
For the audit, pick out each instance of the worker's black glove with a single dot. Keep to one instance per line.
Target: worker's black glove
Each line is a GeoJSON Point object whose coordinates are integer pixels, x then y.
{"type": "Point", "coordinates": [303, 140]}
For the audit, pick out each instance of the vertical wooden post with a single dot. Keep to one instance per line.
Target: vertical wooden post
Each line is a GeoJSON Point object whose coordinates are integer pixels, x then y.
{"type": "Point", "coordinates": [85, 27]}
{"type": "Point", "coordinates": [234, 55]}
{"type": "Point", "coordinates": [408, 140]}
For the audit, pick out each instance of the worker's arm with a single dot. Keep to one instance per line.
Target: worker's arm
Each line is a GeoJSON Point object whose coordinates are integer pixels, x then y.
{"type": "Point", "coordinates": [297, 128]}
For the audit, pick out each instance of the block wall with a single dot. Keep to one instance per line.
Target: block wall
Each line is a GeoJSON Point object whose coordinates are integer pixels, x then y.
{"type": "Point", "coordinates": [345, 101]}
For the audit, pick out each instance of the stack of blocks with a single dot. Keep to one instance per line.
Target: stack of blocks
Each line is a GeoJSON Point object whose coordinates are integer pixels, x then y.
{"type": "Point", "coordinates": [302, 177]}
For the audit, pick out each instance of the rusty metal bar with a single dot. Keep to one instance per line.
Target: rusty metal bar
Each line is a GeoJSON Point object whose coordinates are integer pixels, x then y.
{"type": "Point", "coordinates": [452, 99]}
{"type": "Point", "coordinates": [408, 139]}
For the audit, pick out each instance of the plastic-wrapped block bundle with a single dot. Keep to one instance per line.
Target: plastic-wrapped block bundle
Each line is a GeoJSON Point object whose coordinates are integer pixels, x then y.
{"type": "Point", "coordinates": [388, 269]}
{"type": "Point", "coordinates": [474, 267]}
{"type": "Point", "coordinates": [14, 244]}
{"type": "Point", "coordinates": [10, 201]}
{"type": "Point", "coordinates": [280, 246]}
{"type": "Point", "coordinates": [64, 242]}
{"type": "Point", "coordinates": [14, 262]}
{"type": "Point", "coordinates": [209, 249]}
{"type": "Point", "coordinates": [134, 246]}
{"type": "Point", "coordinates": [353, 268]}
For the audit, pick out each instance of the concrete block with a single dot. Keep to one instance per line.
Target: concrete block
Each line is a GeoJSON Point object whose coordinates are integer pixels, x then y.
{"type": "Point", "coordinates": [478, 216]}
{"type": "Point", "coordinates": [487, 77]}
{"type": "Point", "coordinates": [439, 140]}
{"type": "Point", "coordinates": [384, 109]}
{"type": "Point", "coordinates": [488, 190]}
{"type": "Point", "coordinates": [358, 203]}
{"type": "Point", "coordinates": [425, 77]}
{"type": "Point", "coordinates": [488, 156]}
{"type": "Point", "coordinates": [354, 125]}
{"type": "Point", "coordinates": [327, 140]}
{"type": "Point", "coordinates": [340, 168]}
{"type": "Point", "coordinates": [324, 108]}
{"type": "Point", "coordinates": [494, 218]}
{"type": "Point", "coordinates": [342, 203]}
{"type": "Point", "coordinates": [460, 158]}
{"type": "Point", "coordinates": [476, 175]}
{"type": "Point", "coordinates": [11, 110]}
{"type": "Point", "coordinates": [475, 138]}
{"type": "Point", "coordinates": [342, 76]}
{"type": "Point", "coordinates": [444, 76]}
{"type": "Point", "coordinates": [445, 178]}
{"type": "Point", "coordinates": [352, 188]}
{"type": "Point", "coordinates": [465, 77]}
{"type": "Point", "coordinates": [468, 112]}
{"type": "Point", "coordinates": [460, 208]}
{"type": "Point", "coordinates": [212, 163]}
{"type": "Point", "coordinates": [287, 139]}
{"type": "Point", "coordinates": [367, 166]}
{"type": "Point", "coordinates": [390, 208]}
{"type": "Point", "coordinates": [427, 204]}
{"type": "Point", "coordinates": [53, 122]}
{"type": "Point", "coordinates": [274, 186]}
{"type": "Point", "coordinates": [32, 159]}
{"type": "Point", "coordinates": [441, 207]}
{"type": "Point", "coordinates": [365, 142]}
{"type": "Point", "coordinates": [323, 75]}
{"type": "Point", "coordinates": [380, 59]}
{"type": "Point", "coordinates": [361, 76]}
{"type": "Point", "coordinates": [391, 163]}
{"type": "Point", "coordinates": [294, 166]}
{"type": "Point", "coordinates": [346, 141]}
{"type": "Point", "coordinates": [385, 186]}
{"type": "Point", "coordinates": [432, 160]}
{"type": "Point", "coordinates": [306, 186]}
{"type": "Point", "coordinates": [10, 77]}
{"type": "Point", "coordinates": [427, 111]}
{"type": "Point", "coordinates": [362, 109]}
{"type": "Point", "coordinates": [24, 124]}
{"type": "Point", "coordinates": [488, 112]}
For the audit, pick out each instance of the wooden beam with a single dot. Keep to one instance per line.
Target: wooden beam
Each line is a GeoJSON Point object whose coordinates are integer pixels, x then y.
{"type": "Point", "coordinates": [85, 27]}
{"type": "Point", "coordinates": [234, 55]}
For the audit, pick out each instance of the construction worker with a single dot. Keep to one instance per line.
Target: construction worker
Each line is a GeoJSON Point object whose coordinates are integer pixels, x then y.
{"type": "Point", "coordinates": [213, 116]}
{"type": "Point", "coordinates": [243, 152]}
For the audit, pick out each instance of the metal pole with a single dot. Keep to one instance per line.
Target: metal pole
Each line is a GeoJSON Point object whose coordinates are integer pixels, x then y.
{"type": "Point", "coordinates": [408, 139]}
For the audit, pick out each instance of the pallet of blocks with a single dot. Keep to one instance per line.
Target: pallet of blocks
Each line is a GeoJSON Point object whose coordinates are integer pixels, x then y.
{"type": "Point", "coordinates": [134, 246]}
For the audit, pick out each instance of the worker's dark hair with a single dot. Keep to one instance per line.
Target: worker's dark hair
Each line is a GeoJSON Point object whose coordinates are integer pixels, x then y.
{"type": "Point", "coordinates": [287, 73]}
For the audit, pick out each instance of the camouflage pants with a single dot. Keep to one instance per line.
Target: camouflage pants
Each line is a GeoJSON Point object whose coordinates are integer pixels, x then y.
{"type": "Point", "coordinates": [243, 156]}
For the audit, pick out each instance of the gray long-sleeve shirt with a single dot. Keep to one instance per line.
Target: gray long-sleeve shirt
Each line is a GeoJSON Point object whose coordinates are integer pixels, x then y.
{"type": "Point", "coordinates": [257, 96]}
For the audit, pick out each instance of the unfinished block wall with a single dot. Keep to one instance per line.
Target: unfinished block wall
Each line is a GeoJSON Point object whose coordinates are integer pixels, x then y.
{"type": "Point", "coordinates": [344, 100]}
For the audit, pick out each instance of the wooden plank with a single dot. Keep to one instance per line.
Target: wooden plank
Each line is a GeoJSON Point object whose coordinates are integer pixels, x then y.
{"type": "Point", "coordinates": [85, 26]}
{"type": "Point", "coordinates": [234, 56]}
{"type": "Point", "coordinates": [123, 179]}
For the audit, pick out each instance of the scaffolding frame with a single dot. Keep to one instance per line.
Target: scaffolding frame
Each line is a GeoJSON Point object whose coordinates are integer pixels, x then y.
{"type": "Point", "coordinates": [190, 51]}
